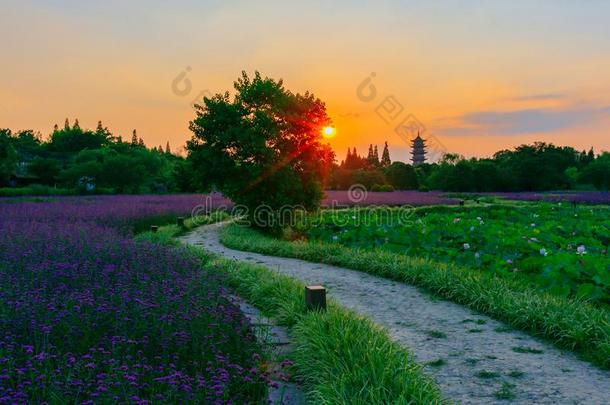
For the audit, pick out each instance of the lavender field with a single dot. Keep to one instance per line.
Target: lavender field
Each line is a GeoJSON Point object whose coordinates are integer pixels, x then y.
{"type": "Point", "coordinates": [587, 197]}
{"type": "Point", "coordinates": [337, 198]}
{"type": "Point", "coordinates": [87, 314]}
{"type": "Point", "coordinates": [341, 198]}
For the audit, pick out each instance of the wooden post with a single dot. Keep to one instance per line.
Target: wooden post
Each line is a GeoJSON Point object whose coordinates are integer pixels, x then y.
{"type": "Point", "coordinates": [315, 297]}
{"type": "Point", "coordinates": [180, 222]}
{"type": "Point", "coordinates": [154, 228]}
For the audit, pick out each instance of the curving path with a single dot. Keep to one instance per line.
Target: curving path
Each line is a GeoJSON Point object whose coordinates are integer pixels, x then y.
{"type": "Point", "coordinates": [474, 359]}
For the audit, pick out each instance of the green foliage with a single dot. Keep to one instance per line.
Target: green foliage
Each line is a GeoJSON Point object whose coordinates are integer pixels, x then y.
{"type": "Point", "coordinates": [401, 176]}
{"type": "Point", "coordinates": [569, 323]}
{"type": "Point", "coordinates": [385, 156]}
{"type": "Point", "coordinates": [262, 148]}
{"type": "Point", "coordinates": [342, 358]}
{"type": "Point", "coordinates": [134, 170]}
{"type": "Point", "coordinates": [142, 226]}
{"type": "Point", "coordinates": [27, 143]}
{"type": "Point", "coordinates": [8, 156]}
{"type": "Point", "coordinates": [535, 167]}
{"type": "Point", "coordinates": [539, 166]}
{"type": "Point", "coordinates": [598, 172]}
{"type": "Point", "coordinates": [457, 174]}
{"type": "Point", "coordinates": [342, 179]}
{"type": "Point", "coordinates": [35, 190]}
{"type": "Point", "coordinates": [538, 242]}
{"type": "Point", "coordinates": [84, 161]}
{"type": "Point", "coordinates": [75, 139]}
{"type": "Point", "coordinates": [382, 188]}
{"type": "Point", "coordinates": [45, 169]}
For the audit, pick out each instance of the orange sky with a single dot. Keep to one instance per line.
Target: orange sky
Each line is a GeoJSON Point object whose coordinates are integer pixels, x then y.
{"type": "Point", "coordinates": [479, 76]}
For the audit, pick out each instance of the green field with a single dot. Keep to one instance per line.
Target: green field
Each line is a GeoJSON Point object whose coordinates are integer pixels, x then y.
{"type": "Point", "coordinates": [558, 248]}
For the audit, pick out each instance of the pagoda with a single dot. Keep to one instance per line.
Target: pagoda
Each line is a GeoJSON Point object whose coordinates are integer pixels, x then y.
{"type": "Point", "coordinates": [418, 150]}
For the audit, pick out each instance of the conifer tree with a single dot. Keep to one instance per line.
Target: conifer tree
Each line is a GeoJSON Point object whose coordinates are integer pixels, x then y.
{"type": "Point", "coordinates": [370, 157]}
{"type": "Point", "coordinates": [348, 158]}
{"type": "Point", "coordinates": [134, 138]}
{"type": "Point", "coordinates": [167, 148]}
{"type": "Point", "coordinates": [385, 156]}
{"type": "Point", "coordinates": [67, 125]}
{"type": "Point", "coordinates": [375, 157]}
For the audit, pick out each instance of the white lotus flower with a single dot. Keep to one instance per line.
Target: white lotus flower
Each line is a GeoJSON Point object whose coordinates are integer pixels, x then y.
{"type": "Point", "coordinates": [543, 252]}
{"type": "Point", "coordinates": [466, 246]}
{"type": "Point", "coordinates": [581, 250]}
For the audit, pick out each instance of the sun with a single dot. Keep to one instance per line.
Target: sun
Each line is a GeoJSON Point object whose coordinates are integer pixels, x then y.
{"type": "Point", "coordinates": [328, 132]}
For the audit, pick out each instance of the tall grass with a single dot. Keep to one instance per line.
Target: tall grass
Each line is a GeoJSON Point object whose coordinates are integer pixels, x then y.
{"type": "Point", "coordinates": [341, 357]}
{"type": "Point", "coordinates": [569, 323]}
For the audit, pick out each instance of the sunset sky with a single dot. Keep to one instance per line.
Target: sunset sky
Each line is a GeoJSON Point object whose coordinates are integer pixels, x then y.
{"type": "Point", "coordinates": [478, 75]}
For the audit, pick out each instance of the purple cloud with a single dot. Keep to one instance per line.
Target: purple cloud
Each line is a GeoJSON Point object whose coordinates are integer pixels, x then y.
{"type": "Point", "coordinates": [533, 120]}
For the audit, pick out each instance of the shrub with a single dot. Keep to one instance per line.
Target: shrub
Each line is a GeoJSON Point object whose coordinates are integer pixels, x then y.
{"type": "Point", "coordinates": [382, 187]}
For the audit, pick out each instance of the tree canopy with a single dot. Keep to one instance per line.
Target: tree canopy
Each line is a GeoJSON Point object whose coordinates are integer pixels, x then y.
{"type": "Point", "coordinates": [73, 156]}
{"type": "Point", "coordinates": [262, 148]}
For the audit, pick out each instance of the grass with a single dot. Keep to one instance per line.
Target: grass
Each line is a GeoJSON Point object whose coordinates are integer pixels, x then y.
{"type": "Point", "coordinates": [437, 363]}
{"type": "Point", "coordinates": [341, 357]}
{"type": "Point", "coordinates": [516, 374]}
{"type": "Point", "coordinates": [504, 241]}
{"type": "Point", "coordinates": [169, 227]}
{"type": "Point", "coordinates": [487, 374]}
{"type": "Point", "coordinates": [35, 190]}
{"type": "Point", "coordinates": [505, 392]}
{"type": "Point", "coordinates": [569, 323]}
{"type": "Point", "coordinates": [436, 334]}
{"type": "Point", "coordinates": [522, 349]}
{"type": "Point", "coordinates": [471, 361]}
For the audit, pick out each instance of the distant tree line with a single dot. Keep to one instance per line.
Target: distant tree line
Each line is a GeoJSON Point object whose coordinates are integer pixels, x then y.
{"type": "Point", "coordinates": [83, 160]}
{"type": "Point", "coordinates": [537, 167]}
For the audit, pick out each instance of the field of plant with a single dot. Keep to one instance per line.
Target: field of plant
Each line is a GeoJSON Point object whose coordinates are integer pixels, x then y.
{"type": "Point", "coordinates": [588, 197]}
{"type": "Point", "coordinates": [360, 197]}
{"type": "Point", "coordinates": [558, 247]}
{"type": "Point", "coordinates": [88, 314]}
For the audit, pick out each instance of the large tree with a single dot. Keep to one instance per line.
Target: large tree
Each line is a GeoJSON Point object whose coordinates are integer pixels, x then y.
{"type": "Point", "coordinates": [262, 148]}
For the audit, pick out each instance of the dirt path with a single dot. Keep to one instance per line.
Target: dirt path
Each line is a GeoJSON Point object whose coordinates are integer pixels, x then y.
{"type": "Point", "coordinates": [474, 358]}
